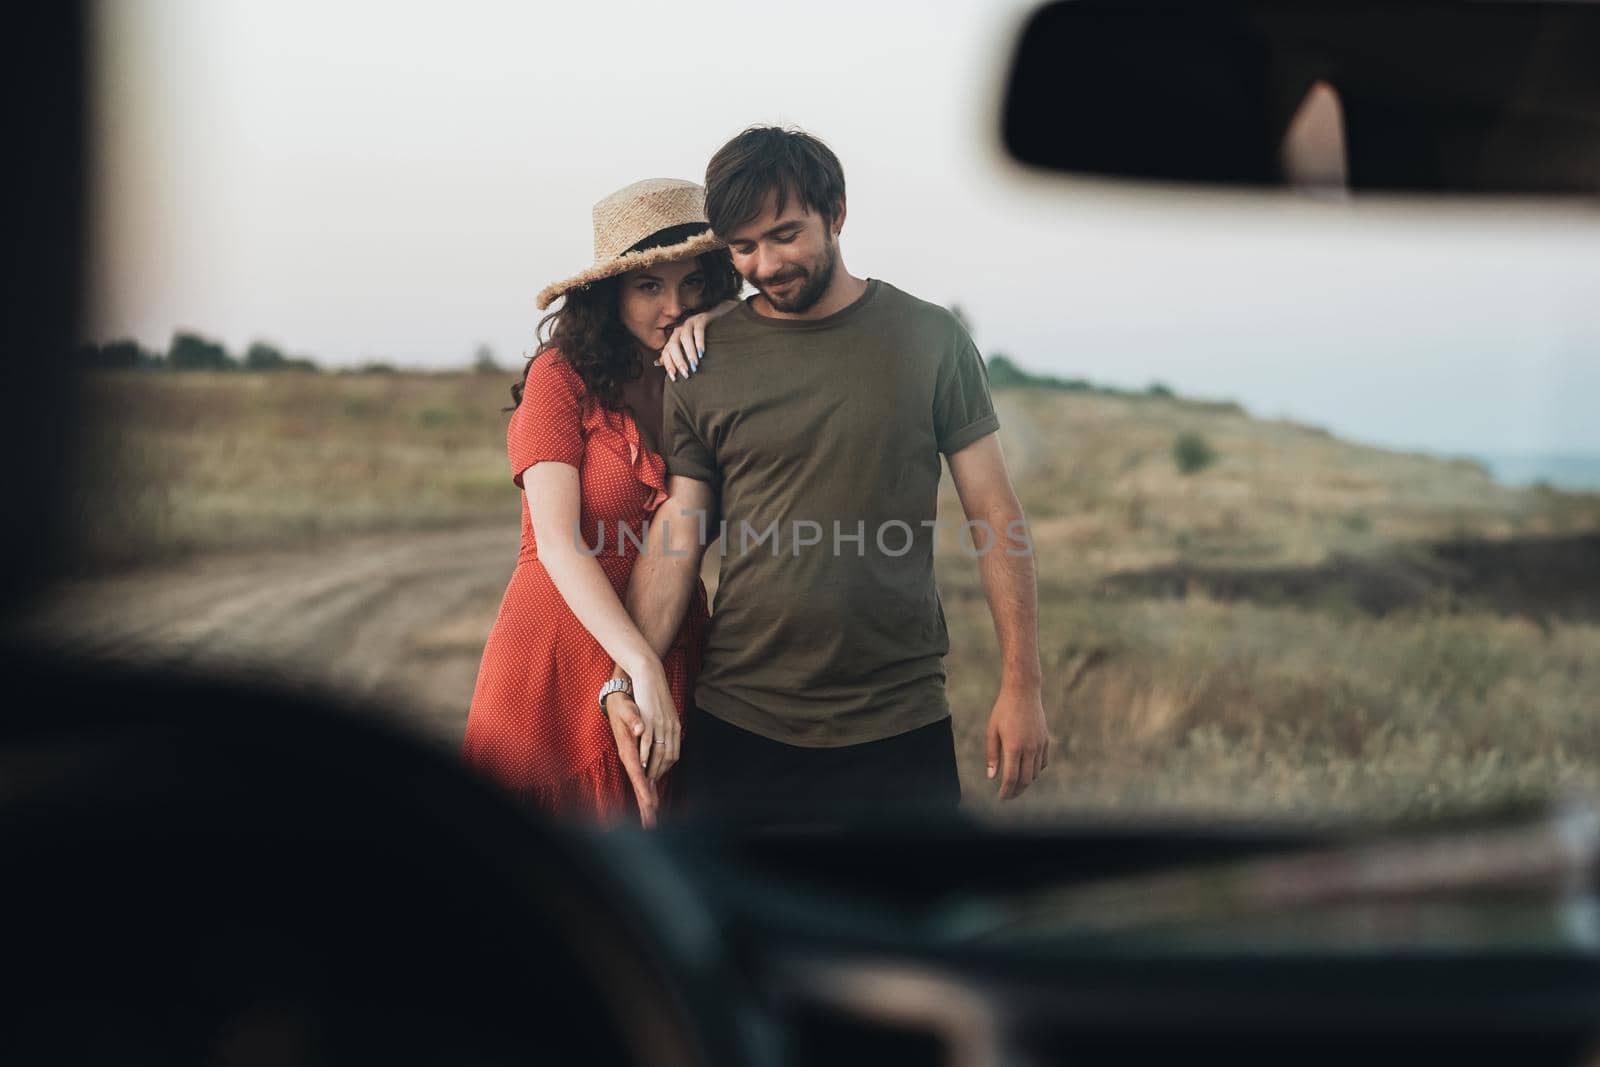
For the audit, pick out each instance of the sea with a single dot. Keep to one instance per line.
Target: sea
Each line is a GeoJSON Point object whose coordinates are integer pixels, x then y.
{"type": "Point", "coordinates": [1573, 471]}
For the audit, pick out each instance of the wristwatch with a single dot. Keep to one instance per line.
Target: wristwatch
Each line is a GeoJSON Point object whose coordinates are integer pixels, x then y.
{"type": "Point", "coordinates": [615, 685]}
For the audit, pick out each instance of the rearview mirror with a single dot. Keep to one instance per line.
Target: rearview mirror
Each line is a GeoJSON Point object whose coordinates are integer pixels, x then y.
{"type": "Point", "coordinates": [1406, 96]}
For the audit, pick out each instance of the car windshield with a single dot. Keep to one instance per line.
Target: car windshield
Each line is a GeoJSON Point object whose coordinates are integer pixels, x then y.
{"type": "Point", "coordinates": [1312, 481]}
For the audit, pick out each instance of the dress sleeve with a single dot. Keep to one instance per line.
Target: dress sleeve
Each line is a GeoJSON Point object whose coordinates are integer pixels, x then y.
{"type": "Point", "coordinates": [962, 409]}
{"type": "Point", "coordinates": [548, 424]}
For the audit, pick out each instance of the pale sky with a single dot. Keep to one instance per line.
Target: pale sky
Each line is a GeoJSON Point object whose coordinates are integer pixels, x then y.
{"type": "Point", "coordinates": [395, 181]}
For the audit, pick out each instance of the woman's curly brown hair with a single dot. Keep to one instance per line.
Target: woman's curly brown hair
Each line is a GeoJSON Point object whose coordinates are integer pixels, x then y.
{"type": "Point", "coordinates": [589, 333]}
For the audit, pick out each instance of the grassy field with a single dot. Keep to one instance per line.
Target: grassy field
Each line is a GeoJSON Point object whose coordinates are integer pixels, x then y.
{"type": "Point", "coordinates": [1306, 626]}
{"type": "Point", "coordinates": [184, 463]}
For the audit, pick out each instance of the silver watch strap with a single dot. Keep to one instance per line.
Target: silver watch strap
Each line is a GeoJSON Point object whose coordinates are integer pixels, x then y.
{"type": "Point", "coordinates": [614, 685]}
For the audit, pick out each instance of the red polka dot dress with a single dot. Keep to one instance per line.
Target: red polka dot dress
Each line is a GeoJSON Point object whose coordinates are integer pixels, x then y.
{"type": "Point", "coordinates": [535, 725]}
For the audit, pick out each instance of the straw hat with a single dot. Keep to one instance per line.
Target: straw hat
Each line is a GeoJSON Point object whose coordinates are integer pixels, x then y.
{"type": "Point", "coordinates": [639, 225]}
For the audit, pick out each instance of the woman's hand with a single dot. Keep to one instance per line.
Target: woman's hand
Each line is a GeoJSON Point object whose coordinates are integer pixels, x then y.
{"type": "Point", "coordinates": [627, 727]}
{"type": "Point", "coordinates": [681, 354]}
{"type": "Point", "coordinates": [658, 744]}
{"type": "Point", "coordinates": [686, 347]}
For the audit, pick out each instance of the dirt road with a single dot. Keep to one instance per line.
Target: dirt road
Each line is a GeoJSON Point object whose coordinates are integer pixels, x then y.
{"type": "Point", "coordinates": [397, 619]}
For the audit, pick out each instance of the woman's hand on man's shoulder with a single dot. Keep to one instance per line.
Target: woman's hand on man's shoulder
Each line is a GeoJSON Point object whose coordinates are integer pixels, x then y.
{"type": "Point", "coordinates": [686, 347]}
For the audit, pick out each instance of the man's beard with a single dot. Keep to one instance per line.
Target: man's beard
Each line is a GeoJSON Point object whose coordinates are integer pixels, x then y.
{"type": "Point", "coordinates": [810, 291]}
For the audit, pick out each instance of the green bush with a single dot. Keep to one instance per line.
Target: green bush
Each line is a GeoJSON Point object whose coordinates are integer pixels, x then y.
{"type": "Point", "coordinates": [117, 355]}
{"type": "Point", "coordinates": [190, 351]}
{"type": "Point", "coordinates": [483, 361]}
{"type": "Point", "coordinates": [262, 356]}
{"type": "Point", "coordinates": [1191, 453]}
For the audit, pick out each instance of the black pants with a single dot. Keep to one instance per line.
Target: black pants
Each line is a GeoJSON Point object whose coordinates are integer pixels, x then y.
{"type": "Point", "coordinates": [728, 774]}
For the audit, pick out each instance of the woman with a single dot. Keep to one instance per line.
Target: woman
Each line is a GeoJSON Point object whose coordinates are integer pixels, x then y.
{"type": "Point", "coordinates": [584, 444]}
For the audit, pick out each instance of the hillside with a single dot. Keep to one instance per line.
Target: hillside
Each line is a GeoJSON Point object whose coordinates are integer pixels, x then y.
{"type": "Point", "coordinates": [1307, 625]}
{"type": "Point", "coordinates": [198, 462]}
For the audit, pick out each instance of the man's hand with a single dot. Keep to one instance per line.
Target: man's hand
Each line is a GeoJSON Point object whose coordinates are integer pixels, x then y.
{"type": "Point", "coordinates": [1019, 740]}
{"type": "Point", "coordinates": [627, 727]}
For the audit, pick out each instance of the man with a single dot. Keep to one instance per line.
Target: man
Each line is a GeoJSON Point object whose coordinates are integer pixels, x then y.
{"type": "Point", "coordinates": [814, 435]}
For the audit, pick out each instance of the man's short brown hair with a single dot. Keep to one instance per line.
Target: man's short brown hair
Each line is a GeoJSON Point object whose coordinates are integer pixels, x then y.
{"type": "Point", "coordinates": [766, 159]}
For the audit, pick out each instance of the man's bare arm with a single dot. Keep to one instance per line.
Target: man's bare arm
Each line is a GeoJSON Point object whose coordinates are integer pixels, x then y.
{"type": "Point", "coordinates": [665, 572]}
{"type": "Point", "coordinates": [1010, 581]}
{"type": "Point", "coordinates": [1018, 738]}
{"type": "Point", "coordinates": [658, 596]}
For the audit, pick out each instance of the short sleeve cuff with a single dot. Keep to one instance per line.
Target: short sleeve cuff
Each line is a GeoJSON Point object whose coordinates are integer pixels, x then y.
{"type": "Point", "coordinates": [683, 467]}
{"type": "Point", "coordinates": [523, 464]}
{"type": "Point", "coordinates": [969, 433]}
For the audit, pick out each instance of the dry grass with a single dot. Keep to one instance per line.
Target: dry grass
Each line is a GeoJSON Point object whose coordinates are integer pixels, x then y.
{"type": "Point", "coordinates": [181, 463]}
{"type": "Point", "coordinates": [1197, 705]}
{"type": "Point", "coordinates": [1189, 703]}
{"type": "Point", "coordinates": [1097, 477]}
{"type": "Point", "coordinates": [1200, 706]}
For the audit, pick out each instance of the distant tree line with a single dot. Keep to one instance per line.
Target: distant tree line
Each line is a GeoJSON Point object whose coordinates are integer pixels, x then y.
{"type": "Point", "coordinates": [1191, 452]}
{"type": "Point", "coordinates": [192, 352]}
{"type": "Point", "coordinates": [1005, 374]}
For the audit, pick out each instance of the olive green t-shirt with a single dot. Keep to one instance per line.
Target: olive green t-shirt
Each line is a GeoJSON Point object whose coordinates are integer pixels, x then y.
{"type": "Point", "coordinates": [822, 438]}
